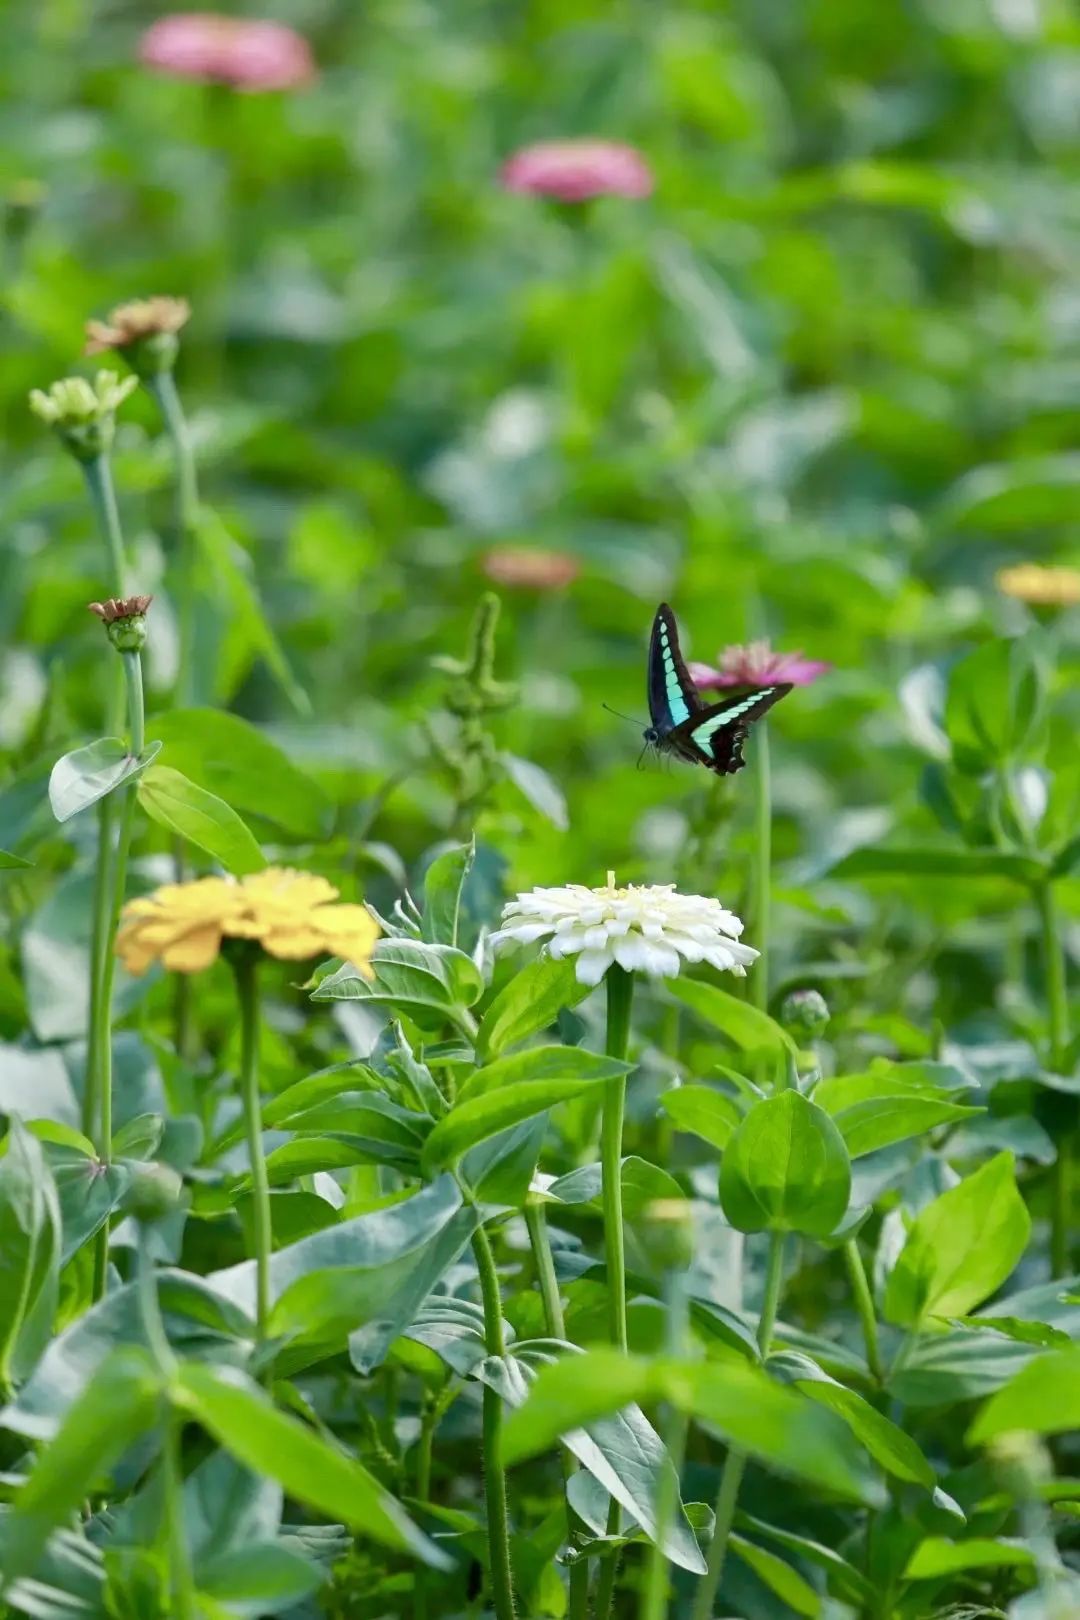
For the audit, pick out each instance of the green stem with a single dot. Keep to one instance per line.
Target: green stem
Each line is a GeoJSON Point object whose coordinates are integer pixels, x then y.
{"type": "Point", "coordinates": [761, 904]}
{"type": "Point", "coordinates": [99, 929]}
{"type": "Point", "coordinates": [163, 388]}
{"type": "Point", "coordinates": [620, 995]}
{"type": "Point", "coordinates": [655, 1602]}
{"type": "Point", "coordinates": [245, 967]}
{"type": "Point", "coordinates": [180, 1574]}
{"type": "Point", "coordinates": [864, 1304]}
{"type": "Point", "coordinates": [498, 1519]}
{"type": "Point", "coordinates": [102, 492]}
{"type": "Point", "coordinates": [1057, 1000]}
{"type": "Point", "coordinates": [735, 1462]}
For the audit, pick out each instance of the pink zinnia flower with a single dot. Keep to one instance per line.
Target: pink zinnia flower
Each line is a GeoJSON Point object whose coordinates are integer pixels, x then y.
{"type": "Point", "coordinates": [529, 568]}
{"type": "Point", "coordinates": [575, 170]}
{"type": "Point", "coordinates": [757, 664]}
{"type": "Point", "coordinates": [243, 52]}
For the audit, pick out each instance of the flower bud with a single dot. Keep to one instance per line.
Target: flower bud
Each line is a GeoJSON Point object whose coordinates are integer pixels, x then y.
{"type": "Point", "coordinates": [156, 1190]}
{"type": "Point", "coordinates": [125, 621]}
{"type": "Point", "coordinates": [805, 1014]}
{"type": "Point", "coordinates": [83, 414]}
{"type": "Point", "coordinates": [667, 1234]}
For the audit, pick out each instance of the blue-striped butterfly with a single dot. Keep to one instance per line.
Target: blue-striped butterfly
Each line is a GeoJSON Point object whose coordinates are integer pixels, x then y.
{"type": "Point", "coordinates": [683, 724]}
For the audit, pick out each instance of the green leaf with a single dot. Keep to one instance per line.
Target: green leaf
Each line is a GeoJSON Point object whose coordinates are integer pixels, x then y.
{"type": "Point", "coordinates": [530, 1001]}
{"type": "Point", "coordinates": [12, 863]}
{"type": "Point", "coordinates": [233, 759]}
{"type": "Point", "coordinates": [480, 1117]}
{"type": "Point", "coordinates": [936, 1557]}
{"type": "Point", "coordinates": [100, 1424]}
{"type": "Point", "coordinates": [888, 1444]}
{"type": "Point", "coordinates": [952, 861]}
{"type": "Point", "coordinates": [849, 1581]}
{"type": "Point", "coordinates": [29, 1254]}
{"type": "Point", "coordinates": [960, 1248]}
{"type": "Point", "coordinates": [201, 817]}
{"type": "Point", "coordinates": [786, 1169]}
{"type": "Point", "coordinates": [744, 1025]}
{"type": "Point", "coordinates": [778, 1576]}
{"type": "Point", "coordinates": [242, 1418]}
{"type": "Point", "coordinates": [87, 774]}
{"type": "Point", "coordinates": [1044, 1398]}
{"type": "Point", "coordinates": [429, 983]}
{"type": "Point", "coordinates": [259, 1579]}
{"type": "Point", "coordinates": [541, 790]}
{"type": "Point", "coordinates": [541, 1063]}
{"type": "Point", "coordinates": [1029, 492]}
{"type": "Point", "coordinates": [704, 1112]}
{"type": "Point", "coordinates": [994, 702]}
{"type": "Point", "coordinates": [443, 885]}
{"type": "Point", "coordinates": [886, 1105]}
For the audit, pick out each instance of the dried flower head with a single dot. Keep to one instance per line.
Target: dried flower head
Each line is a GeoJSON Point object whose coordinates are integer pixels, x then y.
{"type": "Point", "coordinates": [146, 330]}
{"type": "Point", "coordinates": [125, 620]}
{"type": "Point", "coordinates": [574, 171]}
{"type": "Point", "coordinates": [1041, 587]}
{"type": "Point", "coordinates": [648, 928]}
{"type": "Point", "coordinates": [757, 664]}
{"type": "Point", "coordinates": [291, 914]}
{"type": "Point", "coordinates": [246, 53]}
{"type": "Point", "coordinates": [530, 568]}
{"type": "Point", "coordinates": [83, 413]}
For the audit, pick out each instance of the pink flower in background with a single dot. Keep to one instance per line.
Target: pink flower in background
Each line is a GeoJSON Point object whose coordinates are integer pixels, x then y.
{"type": "Point", "coordinates": [757, 664]}
{"type": "Point", "coordinates": [529, 568]}
{"type": "Point", "coordinates": [575, 170]}
{"type": "Point", "coordinates": [243, 52]}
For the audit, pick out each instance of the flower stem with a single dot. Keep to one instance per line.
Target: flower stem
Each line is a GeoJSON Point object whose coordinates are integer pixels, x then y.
{"type": "Point", "coordinates": [864, 1304]}
{"type": "Point", "coordinates": [163, 388]}
{"type": "Point", "coordinates": [761, 905]}
{"type": "Point", "coordinates": [498, 1521]}
{"type": "Point", "coordinates": [735, 1462]}
{"type": "Point", "coordinates": [102, 492]}
{"type": "Point", "coordinates": [1056, 1057]}
{"type": "Point", "coordinates": [245, 967]}
{"type": "Point", "coordinates": [181, 1582]}
{"type": "Point", "coordinates": [655, 1602]}
{"type": "Point", "coordinates": [620, 994]}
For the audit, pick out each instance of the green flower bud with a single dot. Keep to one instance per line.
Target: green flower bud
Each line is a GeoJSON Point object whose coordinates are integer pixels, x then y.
{"type": "Point", "coordinates": [805, 1014]}
{"type": "Point", "coordinates": [83, 414]}
{"type": "Point", "coordinates": [156, 1190]}
{"type": "Point", "coordinates": [667, 1234]}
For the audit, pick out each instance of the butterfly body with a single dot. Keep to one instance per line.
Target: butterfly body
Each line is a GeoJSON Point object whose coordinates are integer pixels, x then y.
{"type": "Point", "coordinates": [682, 723]}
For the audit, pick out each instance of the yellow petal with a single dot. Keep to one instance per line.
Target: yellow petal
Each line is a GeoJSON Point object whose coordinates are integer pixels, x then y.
{"type": "Point", "coordinates": [194, 950]}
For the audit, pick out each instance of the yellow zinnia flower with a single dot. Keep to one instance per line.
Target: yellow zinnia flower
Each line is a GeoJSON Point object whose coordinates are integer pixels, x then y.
{"type": "Point", "coordinates": [292, 915]}
{"type": "Point", "coordinates": [1043, 587]}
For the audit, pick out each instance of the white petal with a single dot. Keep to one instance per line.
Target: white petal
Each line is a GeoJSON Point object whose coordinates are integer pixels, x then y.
{"type": "Point", "coordinates": [591, 966]}
{"type": "Point", "coordinates": [596, 938]}
{"type": "Point", "coordinates": [663, 962]}
{"type": "Point", "coordinates": [632, 952]}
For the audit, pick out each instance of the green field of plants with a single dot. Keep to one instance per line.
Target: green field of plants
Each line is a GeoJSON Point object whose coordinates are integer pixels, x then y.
{"type": "Point", "coordinates": [540, 811]}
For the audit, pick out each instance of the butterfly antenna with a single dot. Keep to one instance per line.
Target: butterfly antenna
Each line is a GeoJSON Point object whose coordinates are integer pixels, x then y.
{"type": "Point", "coordinates": [620, 716]}
{"type": "Point", "coordinates": [644, 751]}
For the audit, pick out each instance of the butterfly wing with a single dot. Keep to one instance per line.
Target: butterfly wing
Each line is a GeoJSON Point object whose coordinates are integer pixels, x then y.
{"type": "Point", "coordinates": [714, 736]}
{"type": "Point", "coordinates": [673, 697]}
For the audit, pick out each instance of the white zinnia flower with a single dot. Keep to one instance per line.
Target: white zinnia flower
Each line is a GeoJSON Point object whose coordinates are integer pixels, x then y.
{"type": "Point", "coordinates": [648, 928]}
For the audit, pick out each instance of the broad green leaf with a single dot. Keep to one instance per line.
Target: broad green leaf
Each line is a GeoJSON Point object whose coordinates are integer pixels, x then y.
{"type": "Point", "coordinates": [540, 788]}
{"type": "Point", "coordinates": [876, 1109]}
{"type": "Point", "coordinates": [994, 701]}
{"type": "Point", "coordinates": [1029, 492]}
{"type": "Point", "coordinates": [429, 983]}
{"type": "Point", "coordinates": [849, 1581]}
{"type": "Point", "coordinates": [952, 862]}
{"type": "Point", "coordinates": [233, 759]}
{"type": "Point", "coordinates": [241, 1417]}
{"type": "Point", "coordinates": [30, 1234]}
{"type": "Point", "coordinates": [201, 817]}
{"type": "Point", "coordinates": [259, 1579]}
{"type": "Point", "coordinates": [100, 1424]}
{"type": "Point", "coordinates": [936, 1557]}
{"type": "Point", "coordinates": [1044, 1397]}
{"type": "Point", "coordinates": [480, 1117]}
{"type": "Point", "coordinates": [704, 1112]}
{"type": "Point", "coordinates": [888, 1444]}
{"type": "Point", "coordinates": [541, 1063]}
{"type": "Point", "coordinates": [744, 1024]}
{"type": "Point", "coordinates": [778, 1576]}
{"type": "Point", "coordinates": [87, 774]}
{"type": "Point", "coordinates": [786, 1169]}
{"type": "Point", "coordinates": [443, 884]}
{"type": "Point", "coordinates": [960, 1248]}
{"type": "Point", "coordinates": [528, 1002]}
{"type": "Point", "coordinates": [12, 863]}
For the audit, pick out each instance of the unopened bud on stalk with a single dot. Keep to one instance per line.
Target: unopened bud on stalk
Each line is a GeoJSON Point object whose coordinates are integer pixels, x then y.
{"type": "Point", "coordinates": [156, 1190]}
{"type": "Point", "coordinates": [805, 1014]}
{"type": "Point", "coordinates": [82, 413]}
{"type": "Point", "coordinates": [145, 332]}
{"type": "Point", "coordinates": [125, 620]}
{"type": "Point", "coordinates": [667, 1234]}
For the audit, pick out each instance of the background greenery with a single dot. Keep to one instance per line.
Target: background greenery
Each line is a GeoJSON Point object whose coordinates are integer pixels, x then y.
{"type": "Point", "coordinates": [821, 386]}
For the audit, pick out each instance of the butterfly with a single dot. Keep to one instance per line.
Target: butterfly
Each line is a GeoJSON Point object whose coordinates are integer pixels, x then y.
{"type": "Point", "coordinates": [683, 724]}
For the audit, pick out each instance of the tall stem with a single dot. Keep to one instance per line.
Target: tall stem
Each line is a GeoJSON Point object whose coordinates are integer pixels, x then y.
{"type": "Point", "coordinates": [245, 967]}
{"type": "Point", "coordinates": [864, 1304]}
{"type": "Point", "coordinates": [498, 1518]}
{"type": "Point", "coordinates": [735, 1462]}
{"type": "Point", "coordinates": [102, 492]}
{"type": "Point", "coordinates": [762, 897]}
{"type": "Point", "coordinates": [180, 1575]}
{"type": "Point", "coordinates": [163, 388]}
{"type": "Point", "coordinates": [1057, 1002]}
{"type": "Point", "coordinates": [655, 1601]}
